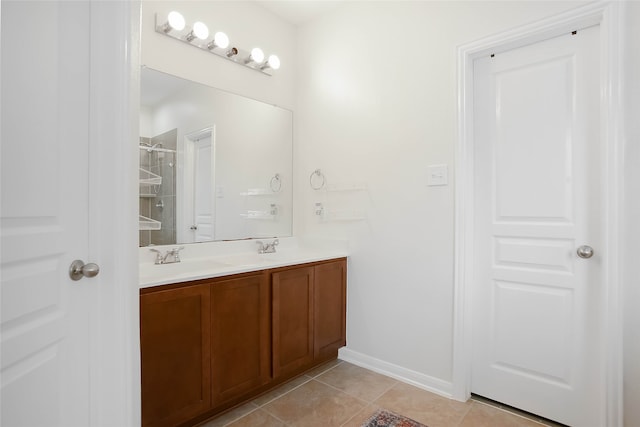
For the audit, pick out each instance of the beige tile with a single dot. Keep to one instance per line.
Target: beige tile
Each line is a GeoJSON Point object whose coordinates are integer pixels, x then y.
{"type": "Point", "coordinates": [358, 419]}
{"type": "Point", "coordinates": [281, 390]}
{"type": "Point", "coordinates": [258, 418]}
{"type": "Point", "coordinates": [356, 381]}
{"type": "Point", "coordinates": [481, 415]}
{"type": "Point", "coordinates": [230, 416]}
{"type": "Point", "coordinates": [323, 368]}
{"type": "Point", "coordinates": [314, 404]}
{"type": "Point", "coordinates": [424, 407]}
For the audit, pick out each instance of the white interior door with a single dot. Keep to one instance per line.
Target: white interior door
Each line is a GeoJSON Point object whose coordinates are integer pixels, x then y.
{"type": "Point", "coordinates": [45, 315]}
{"type": "Point", "coordinates": [537, 306]}
{"type": "Point", "coordinates": [204, 199]}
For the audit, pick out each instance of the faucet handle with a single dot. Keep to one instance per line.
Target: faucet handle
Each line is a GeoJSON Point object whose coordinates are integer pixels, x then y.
{"type": "Point", "coordinates": [175, 253]}
{"type": "Point", "coordinates": [158, 255]}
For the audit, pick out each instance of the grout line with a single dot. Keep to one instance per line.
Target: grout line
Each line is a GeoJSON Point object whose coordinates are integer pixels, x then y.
{"type": "Point", "coordinates": [340, 362]}
{"type": "Point", "coordinates": [355, 415]}
{"type": "Point", "coordinates": [276, 417]}
{"type": "Point", "coordinates": [286, 392]}
{"type": "Point", "coordinates": [389, 388]}
{"type": "Point", "coordinates": [352, 395]}
{"type": "Point", "coordinates": [241, 416]}
{"type": "Point", "coordinates": [342, 391]}
{"type": "Point", "coordinates": [395, 382]}
{"type": "Point", "coordinates": [262, 406]}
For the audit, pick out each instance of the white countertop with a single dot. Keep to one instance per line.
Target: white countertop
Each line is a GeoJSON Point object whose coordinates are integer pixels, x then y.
{"type": "Point", "coordinates": [216, 259]}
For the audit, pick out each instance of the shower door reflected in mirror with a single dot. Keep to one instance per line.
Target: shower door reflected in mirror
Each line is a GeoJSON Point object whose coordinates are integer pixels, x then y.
{"type": "Point", "coordinates": [214, 165]}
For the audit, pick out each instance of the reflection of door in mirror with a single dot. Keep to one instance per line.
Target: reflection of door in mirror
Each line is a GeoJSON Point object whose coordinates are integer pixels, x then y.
{"type": "Point", "coordinates": [157, 189]}
{"type": "Point", "coordinates": [201, 148]}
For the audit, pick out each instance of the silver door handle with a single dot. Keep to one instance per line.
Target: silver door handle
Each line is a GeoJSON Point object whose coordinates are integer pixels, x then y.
{"type": "Point", "coordinates": [79, 269]}
{"type": "Point", "coordinates": [585, 251]}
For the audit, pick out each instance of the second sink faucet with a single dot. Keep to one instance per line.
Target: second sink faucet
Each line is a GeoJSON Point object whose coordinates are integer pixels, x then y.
{"type": "Point", "coordinates": [267, 248]}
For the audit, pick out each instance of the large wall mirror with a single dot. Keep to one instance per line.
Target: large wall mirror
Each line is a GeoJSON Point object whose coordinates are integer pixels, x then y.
{"type": "Point", "coordinates": [213, 165]}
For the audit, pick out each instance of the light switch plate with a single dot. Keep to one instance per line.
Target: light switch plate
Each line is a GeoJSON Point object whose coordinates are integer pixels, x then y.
{"type": "Point", "coordinates": [437, 175]}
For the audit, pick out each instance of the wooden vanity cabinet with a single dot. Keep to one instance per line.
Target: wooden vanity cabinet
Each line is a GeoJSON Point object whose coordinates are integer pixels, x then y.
{"type": "Point", "coordinates": [175, 351]}
{"type": "Point", "coordinates": [211, 344]}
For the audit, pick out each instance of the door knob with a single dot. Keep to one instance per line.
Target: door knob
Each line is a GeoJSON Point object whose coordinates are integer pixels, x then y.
{"type": "Point", "coordinates": [79, 269]}
{"type": "Point", "coordinates": [585, 251]}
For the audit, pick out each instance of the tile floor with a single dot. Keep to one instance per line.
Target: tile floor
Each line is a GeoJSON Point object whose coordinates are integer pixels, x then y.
{"type": "Point", "coordinates": [341, 394]}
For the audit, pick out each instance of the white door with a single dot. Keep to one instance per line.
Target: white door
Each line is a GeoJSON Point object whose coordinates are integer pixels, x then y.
{"type": "Point", "coordinates": [203, 203]}
{"type": "Point", "coordinates": [537, 306]}
{"type": "Point", "coordinates": [45, 315]}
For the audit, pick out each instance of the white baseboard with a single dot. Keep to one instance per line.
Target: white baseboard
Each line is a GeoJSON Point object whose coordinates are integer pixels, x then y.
{"type": "Point", "coordinates": [425, 382]}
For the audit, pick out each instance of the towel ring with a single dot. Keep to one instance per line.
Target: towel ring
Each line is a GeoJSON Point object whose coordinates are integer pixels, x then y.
{"type": "Point", "coordinates": [276, 183]}
{"type": "Point", "coordinates": [318, 173]}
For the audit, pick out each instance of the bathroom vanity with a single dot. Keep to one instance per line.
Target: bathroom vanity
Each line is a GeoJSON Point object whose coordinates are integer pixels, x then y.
{"type": "Point", "coordinates": [212, 343]}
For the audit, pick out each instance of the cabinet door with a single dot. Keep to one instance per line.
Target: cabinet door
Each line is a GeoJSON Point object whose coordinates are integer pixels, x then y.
{"type": "Point", "coordinates": [175, 354]}
{"type": "Point", "coordinates": [292, 320]}
{"type": "Point", "coordinates": [241, 342]}
{"type": "Point", "coordinates": [330, 299]}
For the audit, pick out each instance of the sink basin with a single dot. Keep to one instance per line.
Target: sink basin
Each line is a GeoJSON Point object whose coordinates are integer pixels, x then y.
{"type": "Point", "coordinates": [190, 267]}
{"type": "Point", "coordinates": [246, 259]}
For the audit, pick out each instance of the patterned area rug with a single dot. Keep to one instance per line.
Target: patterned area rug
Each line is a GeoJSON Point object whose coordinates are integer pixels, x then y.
{"type": "Point", "coordinates": [384, 418]}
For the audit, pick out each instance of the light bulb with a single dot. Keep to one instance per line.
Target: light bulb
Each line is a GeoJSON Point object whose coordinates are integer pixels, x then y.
{"type": "Point", "coordinates": [175, 21]}
{"type": "Point", "coordinates": [200, 30]}
{"type": "Point", "coordinates": [273, 62]}
{"type": "Point", "coordinates": [257, 55]}
{"type": "Point", "coordinates": [221, 40]}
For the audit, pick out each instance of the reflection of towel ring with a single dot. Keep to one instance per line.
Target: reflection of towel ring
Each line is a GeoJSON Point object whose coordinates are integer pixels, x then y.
{"type": "Point", "coordinates": [320, 176]}
{"type": "Point", "coordinates": [276, 183]}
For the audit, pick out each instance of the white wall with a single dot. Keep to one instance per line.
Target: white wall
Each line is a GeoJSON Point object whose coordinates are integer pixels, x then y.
{"type": "Point", "coordinates": [247, 24]}
{"type": "Point", "coordinates": [376, 96]}
{"type": "Point", "coordinates": [145, 122]}
{"type": "Point", "coordinates": [631, 274]}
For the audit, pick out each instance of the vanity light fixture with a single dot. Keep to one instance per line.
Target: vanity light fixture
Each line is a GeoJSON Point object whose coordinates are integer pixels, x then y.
{"type": "Point", "coordinates": [198, 36]}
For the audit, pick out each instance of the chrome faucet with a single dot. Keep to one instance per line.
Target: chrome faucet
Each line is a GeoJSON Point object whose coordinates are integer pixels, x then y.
{"type": "Point", "coordinates": [171, 256]}
{"type": "Point", "coordinates": [267, 248]}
